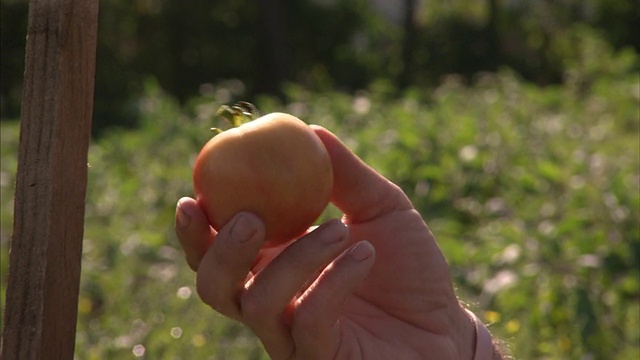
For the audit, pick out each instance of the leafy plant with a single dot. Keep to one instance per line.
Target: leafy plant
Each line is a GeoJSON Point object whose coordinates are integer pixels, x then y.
{"type": "Point", "coordinates": [533, 194]}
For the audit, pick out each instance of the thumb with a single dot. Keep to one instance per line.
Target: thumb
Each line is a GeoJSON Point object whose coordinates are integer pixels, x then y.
{"type": "Point", "coordinates": [358, 190]}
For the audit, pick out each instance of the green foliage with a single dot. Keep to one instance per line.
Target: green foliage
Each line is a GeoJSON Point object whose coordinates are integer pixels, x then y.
{"type": "Point", "coordinates": [533, 194]}
{"type": "Point", "coordinates": [322, 44]}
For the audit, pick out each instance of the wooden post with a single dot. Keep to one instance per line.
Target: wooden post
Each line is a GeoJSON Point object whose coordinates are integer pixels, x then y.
{"type": "Point", "coordinates": [46, 248]}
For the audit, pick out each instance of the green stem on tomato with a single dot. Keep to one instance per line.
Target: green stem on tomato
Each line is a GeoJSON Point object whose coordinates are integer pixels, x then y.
{"type": "Point", "coordinates": [240, 113]}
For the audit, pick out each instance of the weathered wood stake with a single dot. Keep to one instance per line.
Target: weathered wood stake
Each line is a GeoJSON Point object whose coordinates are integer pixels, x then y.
{"type": "Point", "coordinates": [46, 247]}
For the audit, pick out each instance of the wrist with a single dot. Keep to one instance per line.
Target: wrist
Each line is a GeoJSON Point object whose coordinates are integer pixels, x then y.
{"type": "Point", "coordinates": [484, 349]}
{"type": "Point", "coordinates": [464, 333]}
{"type": "Point", "coordinates": [472, 338]}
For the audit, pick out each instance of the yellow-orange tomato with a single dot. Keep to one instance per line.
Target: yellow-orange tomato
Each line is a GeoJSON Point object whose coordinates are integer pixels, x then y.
{"type": "Point", "coordinates": [275, 167]}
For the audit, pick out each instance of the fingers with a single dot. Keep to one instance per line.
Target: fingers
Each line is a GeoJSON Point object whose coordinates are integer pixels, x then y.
{"type": "Point", "coordinates": [226, 265]}
{"type": "Point", "coordinates": [267, 302]}
{"type": "Point", "coordinates": [315, 320]}
{"type": "Point", "coordinates": [267, 299]}
{"type": "Point", "coordinates": [358, 190]}
{"type": "Point", "coordinates": [193, 231]}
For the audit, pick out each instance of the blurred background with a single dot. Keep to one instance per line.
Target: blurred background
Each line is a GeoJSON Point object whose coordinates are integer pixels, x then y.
{"type": "Point", "coordinates": [512, 125]}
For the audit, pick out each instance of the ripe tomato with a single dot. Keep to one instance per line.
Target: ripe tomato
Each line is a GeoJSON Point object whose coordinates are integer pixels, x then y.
{"type": "Point", "coordinates": [275, 167]}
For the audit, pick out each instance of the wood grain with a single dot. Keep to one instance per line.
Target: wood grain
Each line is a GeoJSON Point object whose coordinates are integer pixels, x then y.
{"type": "Point", "coordinates": [46, 247]}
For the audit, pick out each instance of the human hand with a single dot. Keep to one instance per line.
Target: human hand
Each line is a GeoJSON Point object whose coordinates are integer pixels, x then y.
{"type": "Point", "coordinates": [372, 286]}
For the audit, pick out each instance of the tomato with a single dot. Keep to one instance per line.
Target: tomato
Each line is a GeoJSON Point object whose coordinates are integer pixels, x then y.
{"type": "Point", "coordinates": [275, 167]}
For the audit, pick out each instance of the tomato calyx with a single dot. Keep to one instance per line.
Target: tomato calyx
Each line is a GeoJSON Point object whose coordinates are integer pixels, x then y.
{"type": "Point", "coordinates": [239, 113]}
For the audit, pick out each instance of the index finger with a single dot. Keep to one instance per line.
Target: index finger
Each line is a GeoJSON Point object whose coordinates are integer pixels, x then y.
{"type": "Point", "coordinates": [193, 231]}
{"type": "Point", "coordinates": [358, 190]}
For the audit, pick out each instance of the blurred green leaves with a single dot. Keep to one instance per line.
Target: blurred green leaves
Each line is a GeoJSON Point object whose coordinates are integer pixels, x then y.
{"type": "Point", "coordinates": [532, 192]}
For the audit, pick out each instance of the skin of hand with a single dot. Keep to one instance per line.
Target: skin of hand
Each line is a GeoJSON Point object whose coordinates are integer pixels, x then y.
{"type": "Point", "coordinates": [374, 285]}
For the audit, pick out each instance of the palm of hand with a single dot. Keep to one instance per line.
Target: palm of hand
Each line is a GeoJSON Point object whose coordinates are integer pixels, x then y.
{"type": "Point", "coordinates": [401, 309]}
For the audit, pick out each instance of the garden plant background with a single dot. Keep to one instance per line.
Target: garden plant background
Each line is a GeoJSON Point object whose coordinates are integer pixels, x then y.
{"type": "Point", "coordinates": [513, 127]}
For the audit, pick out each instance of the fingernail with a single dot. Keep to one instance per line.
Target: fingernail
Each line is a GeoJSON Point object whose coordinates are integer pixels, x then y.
{"type": "Point", "coordinates": [333, 232]}
{"type": "Point", "coordinates": [242, 229]}
{"type": "Point", "coordinates": [362, 251]}
{"type": "Point", "coordinates": [183, 218]}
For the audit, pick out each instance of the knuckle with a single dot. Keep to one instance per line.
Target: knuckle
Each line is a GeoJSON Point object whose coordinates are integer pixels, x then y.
{"type": "Point", "coordinates": [193, 263]}
{"type": "Point", "coordinates": [255, 310]}
{"type": "Point", "coordinates": [208, 294]}
{"type": "Point", "coordinates": [205, 292]}
{"type": "Point", "coordinates": [217, 300]}
{"type": "Point", "coordinates": [305, 319]}
{"type": "Point", "coordinates": [252, 306]}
